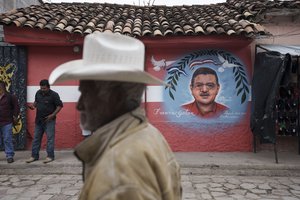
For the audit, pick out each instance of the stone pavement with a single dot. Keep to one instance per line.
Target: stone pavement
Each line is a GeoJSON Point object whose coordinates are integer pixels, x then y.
{"type": "Point", "coordinates": [40, 187]}
{"type": "Point", "coordinates": [195, 187]}
{"type": "Point", "coordinates": [205, 175]}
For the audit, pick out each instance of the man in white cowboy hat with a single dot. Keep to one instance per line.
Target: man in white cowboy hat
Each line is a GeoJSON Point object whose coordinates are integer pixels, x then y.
{"type": "Point", "coordinates": [126, 157]}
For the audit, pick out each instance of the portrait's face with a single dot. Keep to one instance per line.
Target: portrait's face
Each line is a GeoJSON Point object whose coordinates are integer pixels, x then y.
{"type": "Point", "coordinates": [205, 89]}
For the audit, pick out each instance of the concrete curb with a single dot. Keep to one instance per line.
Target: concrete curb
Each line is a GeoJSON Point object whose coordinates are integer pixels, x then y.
{"type": "Point", "coordinates": [75, 169]}
{"type": "Point", "coordinates": [239, 171]}
{"type": "Point", "coordinates": [239, 164]}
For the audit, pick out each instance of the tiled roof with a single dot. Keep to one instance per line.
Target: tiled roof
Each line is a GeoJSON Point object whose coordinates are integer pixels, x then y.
{"type": "Point", "coordinates": [232, 18]}
{"type": "Point", "coordinates": [262, 5]}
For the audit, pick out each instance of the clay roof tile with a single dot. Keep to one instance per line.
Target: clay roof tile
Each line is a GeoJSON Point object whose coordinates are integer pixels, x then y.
{"type": "Point", "coordinates": [233, 17]}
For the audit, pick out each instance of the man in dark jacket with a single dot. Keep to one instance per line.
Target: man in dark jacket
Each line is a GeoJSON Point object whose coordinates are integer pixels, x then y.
{"type": "Point", "coordinates": [9, 111]}
{"type": "Point", "coordinates": [47, 104]}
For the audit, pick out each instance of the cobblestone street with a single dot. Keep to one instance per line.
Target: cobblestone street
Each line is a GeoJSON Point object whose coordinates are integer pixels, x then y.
{"type": "Point", "coordinates": [220, 176]}
{"type": "Point", "coordinates": [195, 187]}
{"type": "Point", "coordinates": [40, 187]}
{"type": "Point", "coordinates": [240, 187]}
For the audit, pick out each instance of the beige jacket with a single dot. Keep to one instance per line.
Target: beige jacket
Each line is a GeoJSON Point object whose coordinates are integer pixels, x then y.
{"type": "Point", "coordinates": [129, 159]}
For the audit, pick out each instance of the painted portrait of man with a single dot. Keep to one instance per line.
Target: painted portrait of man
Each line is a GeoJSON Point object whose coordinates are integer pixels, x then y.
{"type": "Point", "coordinates": [204, 87]}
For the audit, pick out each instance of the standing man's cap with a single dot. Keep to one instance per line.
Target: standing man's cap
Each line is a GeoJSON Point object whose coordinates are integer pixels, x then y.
{"type": "Point", "coordinates": [108, 57]}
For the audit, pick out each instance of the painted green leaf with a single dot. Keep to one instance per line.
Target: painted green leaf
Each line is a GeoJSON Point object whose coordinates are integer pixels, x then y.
{"type": "Point", "coordinates": [173, 87]}
{"type": "Point", "coordinates": [171, 95]}
{"type": "Point", "coordinates": [245, 80]}
{"type": "Point", "coordinates": [175, 82]}
{"type": "Point", "coordinates": [176, 76]}
{"type": "Point", "coordinates": [239, 91]}
{"type": "Point", "coordinates": [238, 84]}
{"type": "Point", "coordinates": [170, 77]}
{"type": "Point", "coordinates": [233, 70]}
{"type": "Point", "coordinates": [236, 73]}
{"type": "Point", "coordinates": [243, 98]}
{"type": "Point", "coordinates": [246, 88]}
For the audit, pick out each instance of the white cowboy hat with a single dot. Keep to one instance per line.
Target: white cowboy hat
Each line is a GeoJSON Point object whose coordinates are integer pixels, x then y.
{"type": "Point", "coordinates": [108, 57]}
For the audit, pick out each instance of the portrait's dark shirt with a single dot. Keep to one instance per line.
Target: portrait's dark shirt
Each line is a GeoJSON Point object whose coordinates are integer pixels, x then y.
{"type": "Point", "coordinates": [46, 103]}
{"type": "Point", "coordinates": [193, 108]}
{"type": "Point", "coordinates": [9, 107]}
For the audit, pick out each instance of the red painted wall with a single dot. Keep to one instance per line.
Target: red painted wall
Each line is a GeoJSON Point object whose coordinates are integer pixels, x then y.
{"type": "Point", "coordinates": [41, 61]}
{"type": "Point", "coordinates": [46, 50]}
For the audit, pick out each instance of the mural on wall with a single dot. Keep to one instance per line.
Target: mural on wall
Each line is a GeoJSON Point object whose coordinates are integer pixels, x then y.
{"type": "Point", "coordinates": [207, 86]}
{"type": "Point", "coordinates": [13, 73]}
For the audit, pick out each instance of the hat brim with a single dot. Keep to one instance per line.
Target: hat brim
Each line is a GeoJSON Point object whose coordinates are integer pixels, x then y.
{"type": "Point", "coordinates": [78, 70]}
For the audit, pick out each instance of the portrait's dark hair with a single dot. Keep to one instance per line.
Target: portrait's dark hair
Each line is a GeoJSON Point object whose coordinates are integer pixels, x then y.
{"type": "Point", "coordinates": [45, 82]}
{"type": "Point", "coordinates": [3, 85]}
{"type": "Point", "coordinates": [205, 71]}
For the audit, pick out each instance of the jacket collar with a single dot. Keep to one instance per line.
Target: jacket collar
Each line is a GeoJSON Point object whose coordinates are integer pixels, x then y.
{"type": "Point", "coordinates": [89, 150]}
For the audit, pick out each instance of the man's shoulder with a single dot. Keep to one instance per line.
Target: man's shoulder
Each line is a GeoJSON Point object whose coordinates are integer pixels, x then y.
{"type": "Point", "coordinates": [38, 93]}
{"type": "Point", "coordinates": [138, 138]}
{"type": "Point", "coordinates": [10, 96]}
{"type": "Point", "coordinates": [188, 105]}
{"type": "Point", "coordinates": [221, 107]}
{"type": "Point", "coordinates": [54, 94]}
{"type": "Point", "coordinates": [141, 146]}
{"type": "Point", "coordinates": [52, 91]}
